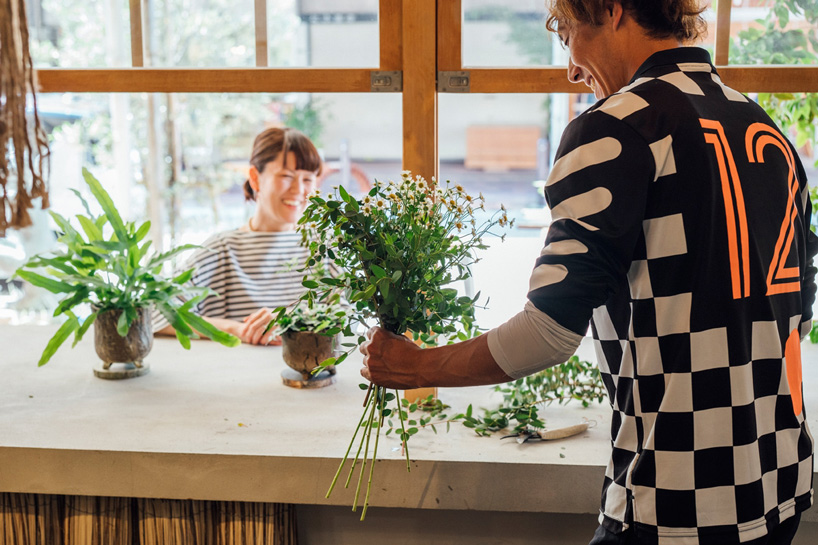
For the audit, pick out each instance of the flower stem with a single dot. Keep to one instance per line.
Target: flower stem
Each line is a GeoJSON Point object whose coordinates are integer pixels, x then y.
{"type": "Point", "coordinates": [346, 455]}
{"type": "Point", "coordinates": [403, 432]}
{"type": "Point", "coordinates": [367, 433]}
{"type": "Point", "coordinates": [360, 444]}
{"type": "Point", "coordinates": [374, 456]}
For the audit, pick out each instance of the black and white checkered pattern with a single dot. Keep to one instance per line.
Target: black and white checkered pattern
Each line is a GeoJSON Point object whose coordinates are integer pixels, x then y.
{"type": "Point", "coordinates": [710, 443]}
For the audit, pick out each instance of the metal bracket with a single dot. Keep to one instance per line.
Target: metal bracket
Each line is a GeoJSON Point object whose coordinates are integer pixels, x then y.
{"type": "Point", "coordinates": [453, 82]}
{"type": "Point", "coordinates": [386, 81]}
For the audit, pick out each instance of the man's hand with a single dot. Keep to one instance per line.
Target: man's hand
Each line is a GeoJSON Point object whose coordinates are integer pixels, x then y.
{"type": "Point", "coordinates": [396, 362]}
{"type": "Point", "coordinates": [251, 331]}
{"type": "Point", "coordinates": [390, 360]}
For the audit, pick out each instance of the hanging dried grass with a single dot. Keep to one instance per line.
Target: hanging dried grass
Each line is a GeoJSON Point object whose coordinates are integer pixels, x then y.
{"type": "Point", "coordinates": [24, 149]}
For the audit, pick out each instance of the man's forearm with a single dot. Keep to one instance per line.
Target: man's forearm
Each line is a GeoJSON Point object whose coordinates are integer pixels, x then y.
{"type": "Point", "coordinates": [467, 363]}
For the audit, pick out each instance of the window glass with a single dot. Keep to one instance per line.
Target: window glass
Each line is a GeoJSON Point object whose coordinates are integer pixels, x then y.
{"type": "Point", "coordinates": [205, 33]}
{"type": "Point", "coordinates": [181, 160]}
{"type": "Point", "coordinates": [502, 146]}
{"type": "Point", "coordinates": [505, 33]}
{"type": "Point", "coordinates": [79, 34]}
{"type": "Point", "coordinates": [307, 33]}
{"type": "Point", "coordinates": [772, 32]}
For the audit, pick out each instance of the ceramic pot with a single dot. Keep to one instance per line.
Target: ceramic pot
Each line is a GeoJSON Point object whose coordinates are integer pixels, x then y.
{"type": "Point", "coordinates": [303, 351]}
{"type": "Point", "coordinates": [130, 349]}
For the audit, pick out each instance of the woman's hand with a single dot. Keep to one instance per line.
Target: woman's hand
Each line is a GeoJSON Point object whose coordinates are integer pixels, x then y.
{"type": "Point", "coordinates": [389, 360]}
{"type": "Point", "coordinates": [251, 331]}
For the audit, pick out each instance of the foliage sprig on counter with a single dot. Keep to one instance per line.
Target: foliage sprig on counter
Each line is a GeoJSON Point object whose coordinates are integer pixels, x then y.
{"type": "Point", "coordinates": [574, 380]}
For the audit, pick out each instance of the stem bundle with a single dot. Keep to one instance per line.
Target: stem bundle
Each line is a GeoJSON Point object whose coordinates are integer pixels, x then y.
{"type": "Point", "coordinates": [375, 410]}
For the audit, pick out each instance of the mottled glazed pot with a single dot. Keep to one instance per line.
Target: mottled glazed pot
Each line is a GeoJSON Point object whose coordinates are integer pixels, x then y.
{"type": "Point", "coordinates": [132, 348]}
{"type": "Point", "coordinates": [303, 351]}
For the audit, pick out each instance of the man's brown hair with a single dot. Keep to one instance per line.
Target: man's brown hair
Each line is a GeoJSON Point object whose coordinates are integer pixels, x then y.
{"type": "Point", "coordinates": [680, 19]}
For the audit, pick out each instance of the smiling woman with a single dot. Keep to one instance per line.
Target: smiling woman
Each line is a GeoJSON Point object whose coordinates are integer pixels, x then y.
{"type": "Point", "coordinates": [255, 268]}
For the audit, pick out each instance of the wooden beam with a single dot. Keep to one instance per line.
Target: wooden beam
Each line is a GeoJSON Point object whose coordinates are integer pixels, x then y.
{"type": "Point", "coordinates": [723, 32]}
{"type": "Point", "coordinates": [420, 87]}
{"type": "Point", "coordinates": [524, 80]}
{"type": "Point", "coordinates": [770, 79]}
{"type": "Point", "coordinates": [449, 36]}
{"type": "Point", "coordinates": [747, 79]}
{"type": "Point", "coordinates": [137, 40]}
{"type": "Point", "coordinates": [260, 17]}
{"type": "Point", "coordinates": [389, 20]}
{"type": "Point", "coordinates": [216, 80]}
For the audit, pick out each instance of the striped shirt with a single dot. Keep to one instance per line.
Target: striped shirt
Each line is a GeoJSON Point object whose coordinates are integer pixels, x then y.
{"type": "Point", "coordinates": [681, 232]}
{"type": "Point", "coordinates": [249, 270]}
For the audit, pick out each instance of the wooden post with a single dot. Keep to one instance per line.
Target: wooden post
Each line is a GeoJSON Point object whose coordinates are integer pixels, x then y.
{"type": "Point", "coordinates": [389, 21]}
{"type": "Point", "coordinates": [722, 47]}
{"type": "Point", "coordinates": [420, 88]}
{"type": "Point", "coordinates": [449, 36]}
{"type": "Point", "coordinates": [137, 58]}
{"type": "Point", "coordinates": [261, 33]}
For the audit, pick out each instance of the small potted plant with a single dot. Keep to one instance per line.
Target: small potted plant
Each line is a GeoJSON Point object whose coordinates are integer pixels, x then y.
{"type": "Point", "coordinates": [309, 334]}
{"type": "Point", "coordinates": [118, 277]}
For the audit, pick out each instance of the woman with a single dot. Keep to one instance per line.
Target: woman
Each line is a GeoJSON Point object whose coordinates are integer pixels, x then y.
{"type": "Point", "coordinates": [255, 268]}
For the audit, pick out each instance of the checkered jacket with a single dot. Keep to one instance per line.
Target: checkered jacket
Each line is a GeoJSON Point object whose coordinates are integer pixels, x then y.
{"type": "Point", "coordinates": [681, 232]}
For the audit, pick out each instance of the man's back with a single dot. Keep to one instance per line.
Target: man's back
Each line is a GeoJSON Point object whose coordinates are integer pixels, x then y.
{"type": "Point", "coordinates": [688, 214]}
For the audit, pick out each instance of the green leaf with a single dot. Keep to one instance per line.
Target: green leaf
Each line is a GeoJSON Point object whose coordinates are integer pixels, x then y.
{"type": "Point", "coordinates": [142, 232]}
{"type": "Point", "coordinates": [209, 330]}
{"type": "Point", "coordinates": [84, 328]}
{"type": "Point", "coordinates": [123, 324]}
{"type": "Point", "coordinates": [54, 286]}
{"type": "Point", "coordinates": [93, 232]}
{"type": "Point", "coordinates": [161, 258]}
{"type": "Point", "coordinates": [82, 200]}
{"type": "Point", "coordinates": [310, 284]}
{"type": "Point", "coordinates": [343, 193]}
{"type": "Point", "coordinates": [184, 340]}
{"type": "Point", "coordinates": [377, 271]}
{"type": "Point", "coordinates": [107, 205]}
{"type": "Point", "coordinates": [65, 330]}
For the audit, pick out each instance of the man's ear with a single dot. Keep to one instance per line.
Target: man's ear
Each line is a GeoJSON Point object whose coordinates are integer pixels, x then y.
{"type": "Point", "coordinates": [252, 176]}
{"type": "Point", "coordinates": [616, 12]}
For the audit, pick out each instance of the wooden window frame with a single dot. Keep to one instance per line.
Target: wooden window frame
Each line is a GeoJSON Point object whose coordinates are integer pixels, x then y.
{"type": "Point", "coordinates": [434, 30]}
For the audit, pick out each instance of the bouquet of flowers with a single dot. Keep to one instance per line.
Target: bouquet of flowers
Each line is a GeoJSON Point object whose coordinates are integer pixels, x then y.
{"type": "Point", "coordinates": [397, 251]}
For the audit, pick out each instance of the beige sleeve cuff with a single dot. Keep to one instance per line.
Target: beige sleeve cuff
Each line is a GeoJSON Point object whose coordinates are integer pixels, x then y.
{"type": "Point", "coordinates": [531, 341]}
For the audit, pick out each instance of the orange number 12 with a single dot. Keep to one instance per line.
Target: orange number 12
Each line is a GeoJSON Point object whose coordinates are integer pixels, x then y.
{"type": "Point", "coordinates": [780, 279]}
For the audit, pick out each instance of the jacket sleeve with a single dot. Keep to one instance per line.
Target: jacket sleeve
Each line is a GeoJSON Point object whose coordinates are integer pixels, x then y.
{"type": "Point", "coordinates": [597, 192]}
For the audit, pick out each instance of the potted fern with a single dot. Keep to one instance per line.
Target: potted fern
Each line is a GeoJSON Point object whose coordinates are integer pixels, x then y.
{"type": "Point", "coordinates": [107, 264]}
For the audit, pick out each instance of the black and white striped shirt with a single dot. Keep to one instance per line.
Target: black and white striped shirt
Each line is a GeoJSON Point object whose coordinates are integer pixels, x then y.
{"type": "Point", "coordinates": [249, 270]}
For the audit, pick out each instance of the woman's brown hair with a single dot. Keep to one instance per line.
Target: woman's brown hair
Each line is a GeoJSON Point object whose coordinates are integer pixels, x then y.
{"type": "Point", "coordinates": [271, 143]}
{"type": "Point", "coordinates": [680, 19]}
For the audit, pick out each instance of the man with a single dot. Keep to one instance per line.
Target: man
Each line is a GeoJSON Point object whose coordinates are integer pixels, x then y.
{"type": "Point", "coordinates": [681, 233]}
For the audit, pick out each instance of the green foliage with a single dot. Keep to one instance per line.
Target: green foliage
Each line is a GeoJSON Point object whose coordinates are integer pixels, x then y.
{"type": "Point", "coordinates": [318, 318]}
{"type": "Point", "coordinates": [574, 380]}
{"type": "Point", "coordinates": [398, 250]}
{"type": "Point", "coordinates": [114, 272]}
{"type": "Point", "coordinates": [774, 43]}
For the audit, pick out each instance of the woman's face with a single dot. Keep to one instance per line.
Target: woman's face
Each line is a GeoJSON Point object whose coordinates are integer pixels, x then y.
{"type": "Point", "coordinates": [282, 191]}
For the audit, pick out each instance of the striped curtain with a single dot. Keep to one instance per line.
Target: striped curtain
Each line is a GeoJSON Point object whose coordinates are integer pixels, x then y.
{"type": "Point", "coordinates": [39, 519]}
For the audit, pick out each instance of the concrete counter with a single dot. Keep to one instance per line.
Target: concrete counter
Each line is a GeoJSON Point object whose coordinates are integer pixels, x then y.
{"type": "Point", "coordinates": [217, 423]}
